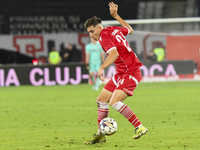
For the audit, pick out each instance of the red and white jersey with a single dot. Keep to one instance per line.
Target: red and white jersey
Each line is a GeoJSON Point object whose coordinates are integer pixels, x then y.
{"type": "Point", "coordinates": [113, 38]}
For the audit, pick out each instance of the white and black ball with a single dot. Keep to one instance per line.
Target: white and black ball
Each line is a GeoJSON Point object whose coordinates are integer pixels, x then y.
{"type": "Point", "coordinates": [108, 126]}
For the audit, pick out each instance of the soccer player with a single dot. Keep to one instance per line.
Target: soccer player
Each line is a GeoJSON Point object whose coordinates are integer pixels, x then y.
{"type": "Point", "coordinates": [94, 58]}
{"type": "Point", "coordinates": [127, 76]}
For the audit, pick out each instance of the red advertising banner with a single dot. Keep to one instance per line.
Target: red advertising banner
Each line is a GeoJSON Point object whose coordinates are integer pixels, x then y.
{"type": "Point", "coordinates": [183, 48]}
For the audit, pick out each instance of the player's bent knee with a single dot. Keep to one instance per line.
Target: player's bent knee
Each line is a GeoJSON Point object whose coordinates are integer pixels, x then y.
{"type": "Point", "coordinates": [104, 96]}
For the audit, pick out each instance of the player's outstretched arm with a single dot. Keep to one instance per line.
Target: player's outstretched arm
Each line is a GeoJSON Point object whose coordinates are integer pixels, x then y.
{"type": "Point", "coordinates": [113, 12]}
{"type": "Point", "coordinates": [112, 56]}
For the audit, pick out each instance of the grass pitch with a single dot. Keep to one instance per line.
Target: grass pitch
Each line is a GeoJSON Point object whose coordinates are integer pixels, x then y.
{"type": "Point", "coordinates": [62, 117]}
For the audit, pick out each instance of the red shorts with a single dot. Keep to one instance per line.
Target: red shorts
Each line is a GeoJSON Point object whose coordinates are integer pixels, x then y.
{"type": "Point", "coordinates": [124, 82]}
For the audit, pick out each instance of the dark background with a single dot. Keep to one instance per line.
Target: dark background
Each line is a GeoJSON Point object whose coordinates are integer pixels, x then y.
{"type": "Point", "coordinates": [77, 11]}
{"type": "Point", "coordinates": [83, 9]}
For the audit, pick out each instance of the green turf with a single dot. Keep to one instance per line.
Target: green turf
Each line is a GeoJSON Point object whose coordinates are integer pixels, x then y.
{"type": "Point", "coordinates": [62, 117]}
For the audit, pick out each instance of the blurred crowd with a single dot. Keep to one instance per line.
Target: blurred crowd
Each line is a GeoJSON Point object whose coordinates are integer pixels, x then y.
{"type": "Point", "coordinates": [68, 53]}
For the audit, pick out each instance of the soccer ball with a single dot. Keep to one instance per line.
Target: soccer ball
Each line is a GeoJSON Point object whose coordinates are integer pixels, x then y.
{"type": "Point", "coordinates": [108, 126]}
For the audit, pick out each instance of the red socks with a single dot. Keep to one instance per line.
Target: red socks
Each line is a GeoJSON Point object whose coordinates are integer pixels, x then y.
{"type": "Point", "coordinates": [103, 110]}
{"type": "Point", "coordinates": [127, 112]}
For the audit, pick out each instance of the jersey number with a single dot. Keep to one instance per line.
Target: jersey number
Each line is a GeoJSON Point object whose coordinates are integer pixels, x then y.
{"type": "Point", "coordinates": [121, 38]}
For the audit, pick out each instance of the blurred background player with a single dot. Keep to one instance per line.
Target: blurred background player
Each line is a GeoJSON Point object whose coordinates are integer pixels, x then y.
{"type": "Point", "coordinates": [93, 60]}
{"type": "Point", "coordinates": [128, 73]}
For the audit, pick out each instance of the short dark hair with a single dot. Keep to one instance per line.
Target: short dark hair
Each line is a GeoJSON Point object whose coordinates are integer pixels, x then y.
{"type": "Point", "coordinates": [92, 22]}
